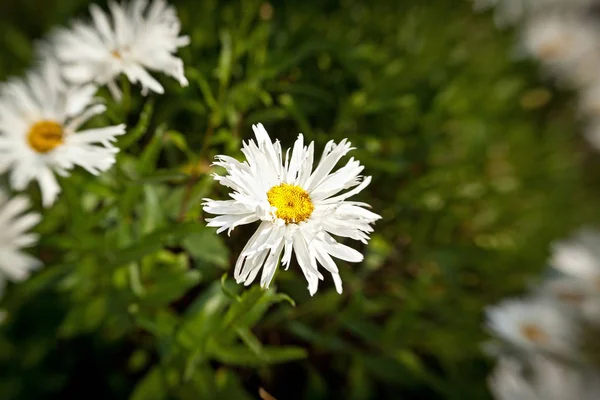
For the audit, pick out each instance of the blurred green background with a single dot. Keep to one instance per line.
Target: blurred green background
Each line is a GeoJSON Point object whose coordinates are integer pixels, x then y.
{"type": "Point", "coordinates": [477, 166]}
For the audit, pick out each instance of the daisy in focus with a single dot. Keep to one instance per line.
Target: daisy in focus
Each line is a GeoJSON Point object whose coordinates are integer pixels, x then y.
{"type": "Point", "coordinates": [299, 208]}
{"type": "Point", "coordinates": [15, 223]}
{"type": "Point", "coordinates": [40, 118]}
{"type": "Point", "coordinates": [134, 38]}
{"type": "Point", "coordinates": [534, 325]}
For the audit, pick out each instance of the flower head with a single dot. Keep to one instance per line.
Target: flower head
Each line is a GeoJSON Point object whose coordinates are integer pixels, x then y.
{"type": "Point", "coordinates": [15, 223]}
{"type": "Point", "coordinates": [534, 324]}
{"type": "Point", "coordinates": [134, 38]}
{"type": "Point", "coordinates": [299, 208]}
{"type": "Point", "coordinates": [39, 121]}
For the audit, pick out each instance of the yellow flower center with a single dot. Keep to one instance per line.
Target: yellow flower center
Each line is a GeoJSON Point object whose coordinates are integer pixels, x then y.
{"type": "Point", "coordinates": [534, 333]}
{"type": "Point", "coordinates": [44, 136]}
{"type": "Point", "coordinates": [292, 202]}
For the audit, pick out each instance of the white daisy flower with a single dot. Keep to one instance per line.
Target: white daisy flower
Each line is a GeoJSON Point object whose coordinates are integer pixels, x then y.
{"type": "Point", "coordinates": [39, 122]}
{"type": "Point", "coordinates": [15, 223]}
{"type": "Point", "coordinates": [299, 208]}
{"type": "Point", "coordinates": [534, 324]}
{"type": "Point", "coordinates": [579, 256]}
{"type": "Point", "coordinates": [134, 38]}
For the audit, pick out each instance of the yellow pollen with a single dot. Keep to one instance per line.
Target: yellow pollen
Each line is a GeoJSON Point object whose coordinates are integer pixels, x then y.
{"type": "Point", "coordinates": [44, 136]}
{"type": "Point", "coordinates": [116, 54]}
{"type": "Point", "coordinates": [534, 333]}
{"type": "Point", "coordinates": [292, 202]}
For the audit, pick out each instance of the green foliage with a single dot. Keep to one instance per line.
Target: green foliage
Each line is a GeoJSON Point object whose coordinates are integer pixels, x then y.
{"type": "Point", "coordinates": [472, 175]}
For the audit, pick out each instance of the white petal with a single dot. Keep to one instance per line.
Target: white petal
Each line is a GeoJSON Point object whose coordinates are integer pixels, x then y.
{"type": "Point", "coordinates": [48, 185]}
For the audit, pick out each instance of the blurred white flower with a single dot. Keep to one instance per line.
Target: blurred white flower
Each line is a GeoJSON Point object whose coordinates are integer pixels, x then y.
{"type": "Point", "coordinates": [579, 295]}
{"type": "Point", "coordinates": [542, 378]}
{"type": "Point", "coordinates": [589, 101]}
{"type": "Point", "coordinates": [579, 256]}
{"type": "Point", "coordinates": [39, 122]}
{"type": "Point", "coordinates": [299, 208]}
{"type": "Point", "coordinates": [534, 325]}
{"type": "Point", "coordinates": [134, 38]}
{"type": "Point", "coordinates": [560, 40]}
{"type": "Point", "coordinates": [592, 133]}
{"type": "Point", "coordinates": [509, 12]}
{"type": "Point", "coordinates": [508, 383]}
{"type": "Point", "coordinates": [15, 222]}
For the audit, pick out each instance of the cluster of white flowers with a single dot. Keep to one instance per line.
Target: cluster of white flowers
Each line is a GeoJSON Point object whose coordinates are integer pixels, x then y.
{"type": "Point", "coordinates": [564, 36]}
{"type": "Point", "coordinates": [41, 135]}
{"type": "Point", "coordinates": [544, 337]}
{"type": "Point", "coordinates": [42, 114]}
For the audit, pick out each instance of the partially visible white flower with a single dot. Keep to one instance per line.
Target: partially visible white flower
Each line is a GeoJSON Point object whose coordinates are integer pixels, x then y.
{"type": "Point", "coordinates": [560, 40]}
{"type": "Point", "coordinates": [299, 207]}
{"type": "Point", "coordinates": [592, 133]}
{"type": "Point", "coordinates": [542, 378]}
{"type": "Point", "coordinates": [40, 119]}
{"type": "Point", "coordinates": [15, 223]}
{"type": "Point", "coordinates": [534, 325]}
{"type": "Point", "coordinates": [508, 383]}
{"type": "Point", "coordinates": [134, 38]}
{"type": "Point", "coordinates": [579, 256]}
{"type": "Point", "coordinates": [509, 12]}
{"type": "Point", "coordinates": [584, 73]}
{"type": "Point", "coordinates": [579, 295]}
{"type": "Point", "coordinates": [589, 101]}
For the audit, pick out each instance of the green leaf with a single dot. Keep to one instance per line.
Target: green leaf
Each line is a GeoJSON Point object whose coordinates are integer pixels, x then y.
{"type": "Point", "coordinates": [84, 318]}
{"type": "Point", "coordinates": [152, 216]}
{"type": "Point", "coordinates": [243, 356]}
{"type": "Point", "coordinates": [161, 176]}
{"type": "Point", "coordinates": [151, 387]}
{"type": "Point", "coordinates": [169, 287]}
{"type": "Point", "coordinates": [225, 59]}
{"type": "Point", "coordinates": [197, 76]}
{"type": "Point", "coordinates": [170, 235]}
{"type": "Point", "coordinates": [206, 246]}
{"type": "Point", "coordinates": [203, 317]}
{"type": "Point", "coordinates": [134, 135]}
